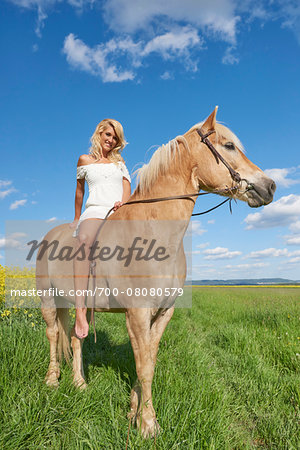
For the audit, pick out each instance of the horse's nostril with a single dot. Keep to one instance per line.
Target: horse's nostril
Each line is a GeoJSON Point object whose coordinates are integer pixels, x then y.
{"type": "Point", "coordinates": [272, 187]}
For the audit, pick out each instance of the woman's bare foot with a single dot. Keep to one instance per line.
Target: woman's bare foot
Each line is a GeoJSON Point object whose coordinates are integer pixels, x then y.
{"type": "Point", "coordinates": [81, 324]}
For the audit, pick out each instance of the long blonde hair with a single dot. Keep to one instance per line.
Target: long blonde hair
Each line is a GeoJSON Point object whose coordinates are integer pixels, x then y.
{"type": "Point", "coordinates": [96, 149]}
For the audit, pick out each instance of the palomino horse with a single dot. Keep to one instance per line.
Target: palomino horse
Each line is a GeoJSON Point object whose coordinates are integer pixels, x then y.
{"type": "Point", "coordinates": [185, 165]}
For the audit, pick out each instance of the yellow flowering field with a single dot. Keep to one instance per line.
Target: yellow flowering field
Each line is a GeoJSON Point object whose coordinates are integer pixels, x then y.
{"type": "Point", "coordinates": [20, 307]}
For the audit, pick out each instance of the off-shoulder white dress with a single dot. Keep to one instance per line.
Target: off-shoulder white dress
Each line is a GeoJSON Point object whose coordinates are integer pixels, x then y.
{"type": "Point", "coordinates": [105, 182]}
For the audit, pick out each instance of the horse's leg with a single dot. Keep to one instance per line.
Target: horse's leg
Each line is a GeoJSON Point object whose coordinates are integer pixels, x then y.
{"type": "Point", "coordinates": [49, 315]}
{"type": "Point", "coordinates": [138, 321]}
{"type": "Point", "coordinates": [135, 399]}
{"type": "Point", "coordinates": [158, 327]}
{"type": "Point", "coordinates": [78, 372]}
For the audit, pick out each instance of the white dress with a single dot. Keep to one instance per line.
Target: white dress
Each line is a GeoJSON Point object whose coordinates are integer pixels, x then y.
{"type": "Point", "coordinates": [105, 182]}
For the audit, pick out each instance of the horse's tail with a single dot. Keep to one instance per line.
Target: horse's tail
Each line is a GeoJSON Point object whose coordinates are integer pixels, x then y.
{"type": "Point", "coordinates": [63, 334]}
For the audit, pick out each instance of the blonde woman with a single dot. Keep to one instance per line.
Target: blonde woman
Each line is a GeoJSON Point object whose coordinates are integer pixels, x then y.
{"type": "Point", "coordinates": [109, 186]}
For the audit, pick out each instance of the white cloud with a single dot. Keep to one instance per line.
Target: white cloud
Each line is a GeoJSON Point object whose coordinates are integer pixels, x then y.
{"type": "Point", "coordinates": [200, 272]}
{"type": "Point", "coordinates": [80, 4]}
{"type": "Point", "coordinates": [167, 76]}
{"type": "Point", "coordinates": [229, 58]}
{"type": "Point", "coordinates": [102, 59]}
{"type": "Point", "coordinates": [290, 257]}
{"type": "Point", "coordinates": [295, 260]}
{"type": "Point", "coordinates": [216, 17]}
{"type": "Point", "coordinates": [294, 257]}
{"type": "Point", "coordinates": [289, 12]}
{"type": "Point", "coordinates": [17, 235]}
{"type": "Point", "coordinates": [195, 228]}
{"type": "Point", "coordinates": [10, 190]}
{"type": "Point", "coordinates": [204, 245]}
{"type": "Point", "coordinates": [44, 7]}
{"type": "Point", "coordinates": [52, 219]}
{"type": "Point", "coordinates": [94, 60]}
{"type": "Point", "coordinates": [268, 253]}
{"type": "Point", "coordinates": [4, 194]}
{"type": "Point", "coordinates": [283, 212]}
{"type": "Point", "coordinates": [246, 266]}
{"type": "Point", "coordinates": [220, 253]}
{"type": "Point", "coordinates": [5, 183]}
{"type": "Point", "coordinates": [174, 44]}
{"type": "Point", "coordinates": [13, 240]}
{"type": "Point", "coordinates": [17, 203]}
{"type": "Point", "coordinates": [193, 252]}
{"type": "Point", "coordinates": [258, 12]}
{"type": "Point", "coordinates": [280, 176]}
{"type": "Point", "coordinates": [295, 227]}
{"type": "Point", "coordinates": [292, 240]}
{"type": "Point", "coordinates": [9, 243]}
{"type": "Point", "coordinates": [40, 6]}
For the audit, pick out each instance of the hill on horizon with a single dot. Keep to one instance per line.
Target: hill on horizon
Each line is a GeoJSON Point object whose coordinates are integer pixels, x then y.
{"type": "Point", "coordinates": [245, 281]}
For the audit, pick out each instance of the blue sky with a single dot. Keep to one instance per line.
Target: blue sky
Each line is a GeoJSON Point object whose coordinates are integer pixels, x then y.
{"type": "Point", "coordinates": [158, 68]}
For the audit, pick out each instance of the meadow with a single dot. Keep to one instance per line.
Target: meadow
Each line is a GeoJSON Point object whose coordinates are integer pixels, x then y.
{"type": "Point", "coordinates": [227, 377]}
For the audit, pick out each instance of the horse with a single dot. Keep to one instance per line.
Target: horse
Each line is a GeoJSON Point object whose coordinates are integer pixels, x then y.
{"type": "Point", "coordinates": [208, 157]}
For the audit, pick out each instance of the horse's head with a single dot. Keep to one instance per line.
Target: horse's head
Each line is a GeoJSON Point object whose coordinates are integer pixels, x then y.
{"type": "Point", "coordinates": [227, 169]}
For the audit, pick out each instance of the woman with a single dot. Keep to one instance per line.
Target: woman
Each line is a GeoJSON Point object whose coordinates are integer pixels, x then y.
{"type": "Point", "coordinates": [109, 186]}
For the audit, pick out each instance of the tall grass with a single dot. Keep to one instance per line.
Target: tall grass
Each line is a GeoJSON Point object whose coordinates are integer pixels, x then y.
{"type": "Point", "coordinates": [227, 376]}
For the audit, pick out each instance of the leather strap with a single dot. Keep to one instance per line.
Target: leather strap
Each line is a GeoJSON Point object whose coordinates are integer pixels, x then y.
{"type": "Point", "coordinates": [93, 275]}
{"type": "Point", "coordinates": [234, 175]}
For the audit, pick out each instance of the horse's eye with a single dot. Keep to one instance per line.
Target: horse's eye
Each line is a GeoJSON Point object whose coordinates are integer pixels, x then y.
{"type": "Point", "coordinates": [229, 146]}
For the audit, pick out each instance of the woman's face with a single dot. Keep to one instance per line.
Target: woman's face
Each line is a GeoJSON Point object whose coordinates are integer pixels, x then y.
{"type": "Point", "coordinates": [108, 139]}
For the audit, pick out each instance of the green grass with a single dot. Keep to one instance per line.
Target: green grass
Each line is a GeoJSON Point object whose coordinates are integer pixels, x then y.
{"type": "Point", "coordinates": [227, 377]}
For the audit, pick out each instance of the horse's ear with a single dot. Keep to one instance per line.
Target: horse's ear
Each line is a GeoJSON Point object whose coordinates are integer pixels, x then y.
{"type": "Point", "coordinates": [210, 123]}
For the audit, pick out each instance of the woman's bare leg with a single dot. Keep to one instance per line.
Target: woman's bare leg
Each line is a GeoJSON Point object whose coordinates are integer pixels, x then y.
{"type": "Point", "coordinates": [87, 233]}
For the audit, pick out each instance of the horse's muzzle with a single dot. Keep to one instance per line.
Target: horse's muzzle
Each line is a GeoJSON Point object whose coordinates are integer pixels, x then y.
{"type": "Point", "coordinates": [261, 193]}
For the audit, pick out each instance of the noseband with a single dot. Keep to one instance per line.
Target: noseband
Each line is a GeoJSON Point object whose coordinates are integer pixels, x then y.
{"type": "Point", "coordinates": [204, 138]}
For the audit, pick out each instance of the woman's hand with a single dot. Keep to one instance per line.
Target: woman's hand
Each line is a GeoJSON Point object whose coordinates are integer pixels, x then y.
{"type": "Point", "coordinates": [117, 205]}
{"type": "Point", "coordinates": [73, 224]}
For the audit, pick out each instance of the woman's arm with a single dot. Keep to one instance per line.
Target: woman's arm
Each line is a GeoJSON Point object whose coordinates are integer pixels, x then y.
{"type": "Point", "coordinates": [79, 194]}
{"type": "Point", "coordinates": [126, 193]}
{"type": "Point", "coordinates": [126, 190]}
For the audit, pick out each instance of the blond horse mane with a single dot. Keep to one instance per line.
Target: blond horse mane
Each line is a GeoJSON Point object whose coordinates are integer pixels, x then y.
{"type": "Point", "coordinates": [159, 163]}
{"type": "Point", "coordinates": [148, 174]}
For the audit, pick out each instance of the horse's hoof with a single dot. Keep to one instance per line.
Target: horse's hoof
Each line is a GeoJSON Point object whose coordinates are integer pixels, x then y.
{"type": "Point", "coordinates": [51, 381]}
{"type": "Point", "coordinates": [80, 383]}
{"type": "Point", "coordinates": [51, 378]}
{"type": "Point", "coordinates": [131, 415]}
{"type": "Point", "coordinates": [150, 429]}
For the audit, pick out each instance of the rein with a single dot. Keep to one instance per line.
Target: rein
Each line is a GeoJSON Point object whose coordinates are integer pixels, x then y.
{"type": "Point", "coordinates": [181, 197]}
{"type": "Point", "coordinates": [234, 175]}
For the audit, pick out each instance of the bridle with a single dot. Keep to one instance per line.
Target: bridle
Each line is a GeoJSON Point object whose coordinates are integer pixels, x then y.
{"type": "Point", "coordinates": [234, 175]}
{"type": "Point", "coordinates": [204, 138]}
